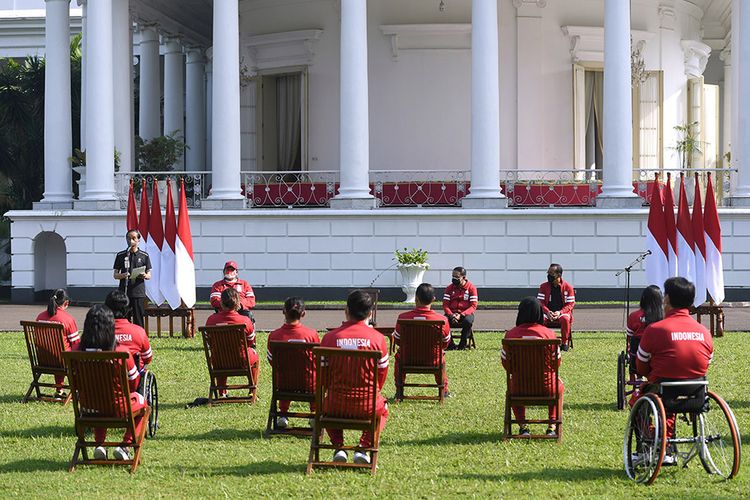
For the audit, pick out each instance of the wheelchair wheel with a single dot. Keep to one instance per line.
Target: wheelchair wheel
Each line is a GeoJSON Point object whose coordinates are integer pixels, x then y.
{"type": "Point", "coordinates": [151, 394]}
{"type": "Point", "coordinates": [721, 450]}
{"type": "Point", "coordinates": [645, 439]}
{"type": "Point", "coordinates": [621, 368]}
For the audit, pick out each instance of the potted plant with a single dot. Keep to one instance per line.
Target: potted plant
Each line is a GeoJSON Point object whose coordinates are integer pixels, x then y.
{"type": "Point", "coordinates": [688, 149]}
{"type": "Point", "coordinates": [412, 264]}
{"type": "Point", "coordinates": [160, 154]}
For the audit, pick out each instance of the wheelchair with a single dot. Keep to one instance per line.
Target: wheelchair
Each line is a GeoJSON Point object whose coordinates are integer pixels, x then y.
{"type": "Point", "coordinates": [627, 380]}
{"type": "Point", "coordinates": [148, 388]}
{"type": "Point", "coordinates": [711, 432]}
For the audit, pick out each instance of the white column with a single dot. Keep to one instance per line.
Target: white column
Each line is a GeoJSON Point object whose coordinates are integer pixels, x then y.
{"type": "Point", "coordinates": [617, 185]}
{"type": "Point", "coordinates": [741, 189]}
{"type": "Point", "coordinates": [100, 135]}
{"type": "Point", "coordinates": [84, 37]}
{"type": "Point", "coordinates": [354, 128]}
{"type": "Point", "coordinates": [174, 93]}
{"type": "Point", "coordinates": [195, 122]}
{"type": "Point", "coordinates": [58, 127]}
{"type": "Point", "coordinates": [123, 75]}
{"type": "Point", "coordinates": [226, 154]}
{"type": "Point", "coordinates": [149, 104]}
{"type": "Point", "coordinates": [485, 108]}
{"type": "Point", "coordinates": [209, 106]}
{"type": "Point", "coordinates": [726, 57]}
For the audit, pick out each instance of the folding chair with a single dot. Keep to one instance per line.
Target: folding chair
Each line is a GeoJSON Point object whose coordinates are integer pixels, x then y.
{"type": "Point", "coordinates": [45, 343]}
{"type": "Point", "coordinates": [346, 393]}
{"type": "Point", "coordinates": [225, 347]}
{"type": "Point", "coordinates": [101, 398]}
{"type": "Point", "coordinates": [293, 379]}
{"type": "Point", "coordinates": [421, 351]}
{"type": "Point", "coordinates": [533, 369]}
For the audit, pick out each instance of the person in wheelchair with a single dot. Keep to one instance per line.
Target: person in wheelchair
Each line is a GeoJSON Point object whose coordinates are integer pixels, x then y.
{"type": "Point", "coordinates": [130, 336]}
{"type": "Point", "coordinates": [651, 310]}
{"type": "Point", "coordinates": [675, 348]}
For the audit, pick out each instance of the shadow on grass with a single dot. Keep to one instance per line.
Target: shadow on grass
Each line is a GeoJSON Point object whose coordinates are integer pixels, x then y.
{"type": "Point", "coordinates": [734, 404]}
{"type": "Point", "coordinates": [187, 348]}
{"type": "Point", "coordinates": [547, 474]}
{"type": "Point", "coordinates": [223, 435]}
{"type": "Point", "coordinates": [457, 438]}
{"type": "Point", "coordinates": [36, 432]}
{"type": "Point", "coordinates": [11, 398]}
{"type": "Point", "coordinates": [33, 465]}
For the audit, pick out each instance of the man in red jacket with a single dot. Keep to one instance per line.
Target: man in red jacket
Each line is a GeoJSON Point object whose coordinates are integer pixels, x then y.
{"type": "Point", "coordinates": [231, 280]}
{"type": "Point", "coordinates": [356, 333]}
{"type": "Point", "coordinates": [460, 300]}
{"type": "Point", "coordinates": [424, 297]}
{"type": "Point", "coordinates": [558, 297]}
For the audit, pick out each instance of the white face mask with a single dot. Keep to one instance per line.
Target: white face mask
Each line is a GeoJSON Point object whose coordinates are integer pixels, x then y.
{"type": "Point", "coordinates": [230, 275]}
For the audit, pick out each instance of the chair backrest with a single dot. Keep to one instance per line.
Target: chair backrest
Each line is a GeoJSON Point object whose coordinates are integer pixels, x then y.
{"type": "Point", "coordinates": [99, 384]}
{"type": "Point", "coordinates": [346, 382]}
{"type": "Point", "coordinates": [225, 346]}
{"type": "Point", "coordinates": [683, 396]}
{"type": "Point", "coordinates": [293, 366]}
{"type": "Point", "coordinates": [420, 342]}
{"type": "Point", "coordinates": [532, 364]}
{"type": "Point", "coordinates": [45, 343]}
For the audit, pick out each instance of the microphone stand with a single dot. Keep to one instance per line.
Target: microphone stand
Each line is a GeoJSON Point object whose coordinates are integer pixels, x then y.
{"type": "Point", "coordinates": [627, 270]}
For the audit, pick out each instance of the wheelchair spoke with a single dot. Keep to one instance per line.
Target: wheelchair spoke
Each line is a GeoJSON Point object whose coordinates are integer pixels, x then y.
{"type": "Point", "coordinates": [645, 441]}
{"type": "Point", "coordinates": [716, 428]}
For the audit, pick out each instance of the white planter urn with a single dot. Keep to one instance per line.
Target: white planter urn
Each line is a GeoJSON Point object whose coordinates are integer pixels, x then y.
{"type": "Point", "coordinates": [411, 278]}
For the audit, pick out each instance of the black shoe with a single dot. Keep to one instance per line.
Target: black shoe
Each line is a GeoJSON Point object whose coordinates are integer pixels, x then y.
{"type": "Point", "coordinates": [451, 347]}
{"type": "Point", "coordinates": [447, 394]}
{"type": "Point", "coordinates": [564, 346]}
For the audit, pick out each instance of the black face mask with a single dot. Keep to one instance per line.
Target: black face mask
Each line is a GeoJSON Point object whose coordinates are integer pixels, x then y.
{"type": "Point", "coordinates": [551, 279]}
{"type": "Point", "coordinates": [456, 281]}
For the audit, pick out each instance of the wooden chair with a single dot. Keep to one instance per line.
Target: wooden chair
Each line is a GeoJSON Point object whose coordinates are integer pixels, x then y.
{"type": "Point", "coordinates": [101, 398]}
{"type": "Point", "coordinates": [555, 325]}
{"type": "Point", "coordinates": [470, 342]}
{"type": "Point", "coordinates": [225, 347]}
{"type": "Point", "coordinates": [293, 379]}
{"type": "Point", "coordinates": [421, 351]}
{"type": "Point", "coordinates": [346, 393]}
{"type": "Point", "coordinates": [532, 365]}
{"type": "Point", "coordinates": [374, 293]}
{"type": "Point", "coordinates": [45, 343]}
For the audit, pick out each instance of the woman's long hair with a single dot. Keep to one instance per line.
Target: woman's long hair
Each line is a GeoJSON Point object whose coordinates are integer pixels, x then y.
{"type": "Point", "coordinates": [652, 304]}
{"type": "Point", "coordinates": [99, 329]}
{"type": "Point", "coordinates": [57, 299]}
{"type": "Point", "coordinates": [529, 311]}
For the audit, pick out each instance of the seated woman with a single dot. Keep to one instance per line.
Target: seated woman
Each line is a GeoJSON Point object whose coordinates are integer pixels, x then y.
{"type": "Point", "coordinates": [99, 335]}
{"type": "Point", "coordinates": [651, 310]}
{"type": "Point", "coordinates": [229, 315]}
{"type": "Point", "coordinates": [56, 311]}
{"type": "Point", "coordinates": [530, 325]}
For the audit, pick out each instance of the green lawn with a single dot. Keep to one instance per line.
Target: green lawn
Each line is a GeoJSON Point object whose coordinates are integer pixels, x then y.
{"type": "Point", "coordinates": [427, 450]}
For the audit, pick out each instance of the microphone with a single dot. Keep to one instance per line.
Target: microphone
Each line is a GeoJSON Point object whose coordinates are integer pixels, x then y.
{"type": "Point", "coordinates": [648, 252]}
{"type": "Point", "coordinates": [127, 263]}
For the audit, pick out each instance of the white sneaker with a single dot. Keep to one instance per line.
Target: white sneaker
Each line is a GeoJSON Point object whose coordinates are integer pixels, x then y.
{"type": "Point", "coordinates": [100, 453]}
{"type": "Point", "coordinates": [340, 456]}
{"type": "Point", "coordinates": [282, 423]}
{"type": "Point", "coordinates": [122, 453]}
{"type": "Point", "coordinates": [669, 460]}
{"type": "Point", "coordinates": [360, 457]}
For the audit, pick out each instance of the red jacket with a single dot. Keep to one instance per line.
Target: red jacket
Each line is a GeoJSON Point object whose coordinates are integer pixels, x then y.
{"type": "Point", "coordinates": [234, 318]}
{"type": "Point", "coordinates": [636, 323]}
{"type": "Point", "coordinates": [72, 338]}
{"type": "Point", "coordinates": [677, 347]}
{"type": "Point", "coordinates": [134, 339]}
{"type": "Point", "coordinates": [462, 300]}
{"type": "Point", "coordinates": [247, 296]}
{"type": "Point", "coordinates": [566, 291]}
{"type": "Point", "coordinates": [427, 314]}
{"type": "Point", "coordinates": [292, 333]}
{"type": "Point", "coordinates": [359, 334]}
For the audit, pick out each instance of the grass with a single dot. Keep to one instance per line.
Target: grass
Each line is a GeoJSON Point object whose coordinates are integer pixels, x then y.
{"type": "Point", "coordinates": [427, 450]}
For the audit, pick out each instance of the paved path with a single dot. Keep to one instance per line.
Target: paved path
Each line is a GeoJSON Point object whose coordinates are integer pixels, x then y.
{"type": "Point", "coordinates": [604, 319]}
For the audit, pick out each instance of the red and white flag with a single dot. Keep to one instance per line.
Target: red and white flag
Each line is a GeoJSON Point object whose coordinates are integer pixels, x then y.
{"type": "Point", "coordinates": [656, 241]}
{"type": "Point", "coordinates": [685, 252]}
{"type": "Point", "coordinates": [143, 219]}
{"type": "Point", "coordinates": [671, 226]}
{"type": "Point", "coordinates": [184, 263]}
{"type": "Point", "coordinates": [714, 265]}
{"type": "Point", "coordinates": [153, 248]}
{"type": "Point", "coordinates": [699, 244]}
{"type": "Point", "coordinates": [132, 217]}
{"type": "Point", "coordinates": [167, 282]}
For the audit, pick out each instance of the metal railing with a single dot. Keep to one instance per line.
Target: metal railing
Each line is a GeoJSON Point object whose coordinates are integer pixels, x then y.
{"type": "Point", "coordinates": [197, 186]}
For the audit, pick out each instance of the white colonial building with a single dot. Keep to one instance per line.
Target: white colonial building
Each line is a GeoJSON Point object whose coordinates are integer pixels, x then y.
{"type": "Point", "coordinates": [499, 135]}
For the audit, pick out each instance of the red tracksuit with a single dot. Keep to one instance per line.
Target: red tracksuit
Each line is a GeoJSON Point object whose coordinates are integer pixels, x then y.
{"type": "Point", "coordinates": [635, 326]}
{"type": "Point", "coordinates": [137, 402]}
{"type": "Point", "coordinates": [247, 296]}
{"type": "Point", "coordinates": [134, 339]}
{"type": "Point", "coordinates": [71, 339]}
{"type": "Point", "coordinates": [235, 318]}
{"type": "Point", "coordinates": [568, 295]}
{"type": "Point", "coordinates": [358, 333]}
{"type": "Point", "coordinates": [427, 314]}
{"type": "Point", "coordinates": [677, 347]}
{"type": "Point", "coordinates": [462, 300]}
{"type": "Point", "coordinates": [534, 331]}
{"type": "Point", "coordinates": [294, 333]}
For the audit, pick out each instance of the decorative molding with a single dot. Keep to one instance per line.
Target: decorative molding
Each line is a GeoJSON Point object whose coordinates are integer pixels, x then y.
{"type": "Point", "coordinates": [726, 55]}
{"type": "Point", "coordinates": [696, 56]}
{"type": "Point", "coordinates": [523, 3]}
{"type": "Point", "coordinates": [427, 37]}
{"type": "Point", "coordinates": [587, 42]}
{"type": "Point", "coordinates": [667, 15]}
{"type": "Point", "coordinates": [278, 50]}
